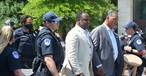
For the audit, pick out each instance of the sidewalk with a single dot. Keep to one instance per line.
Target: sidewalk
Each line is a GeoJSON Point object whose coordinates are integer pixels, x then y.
{"type": "Point", "coordinates": [28, 72]}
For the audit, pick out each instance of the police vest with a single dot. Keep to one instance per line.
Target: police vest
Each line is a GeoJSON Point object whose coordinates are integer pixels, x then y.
{"type": "Point", "coordinates": [25, 45]}
{"type": "Point", "coordinates": [58, 54]}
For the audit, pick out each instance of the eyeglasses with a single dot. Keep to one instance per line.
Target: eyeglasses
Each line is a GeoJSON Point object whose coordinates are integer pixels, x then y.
{"type": "Point", "coordinates": [56, 22]}
{"type": "Point", "coordinates": [127, 28]}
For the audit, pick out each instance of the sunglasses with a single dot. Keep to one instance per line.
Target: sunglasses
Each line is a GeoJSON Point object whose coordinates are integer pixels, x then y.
{"type": "Point", "coordinates": [127, 28]}
{"type": "Point", "coordinates": [56, 22]}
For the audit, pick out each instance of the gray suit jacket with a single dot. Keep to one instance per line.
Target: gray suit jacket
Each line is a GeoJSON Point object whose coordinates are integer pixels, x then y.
{"type": "Point", "coordinates": [103, 52]}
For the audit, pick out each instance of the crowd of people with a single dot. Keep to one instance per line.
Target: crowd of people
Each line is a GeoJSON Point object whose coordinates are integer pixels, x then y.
{"type": "Point", "coordinates": [96, 53]}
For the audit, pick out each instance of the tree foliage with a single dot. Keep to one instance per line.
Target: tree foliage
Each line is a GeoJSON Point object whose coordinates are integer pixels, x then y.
{"type": "Point", "coordinates": [67, 9]}
{"type": "Point", "coordinates": [10, 9]}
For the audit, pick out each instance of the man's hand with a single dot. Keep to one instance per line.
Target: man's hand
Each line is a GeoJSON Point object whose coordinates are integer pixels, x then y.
{"type": "Point", "coordinates": [100, 71]}
{"type": "Point", "coordinates": [127, 48]}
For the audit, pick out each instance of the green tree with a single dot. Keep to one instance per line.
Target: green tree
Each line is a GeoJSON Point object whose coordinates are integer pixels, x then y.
{"type": "Point", "coordinates": [10, 9]}
{"type": "Point", "coordinates": [67, 9]}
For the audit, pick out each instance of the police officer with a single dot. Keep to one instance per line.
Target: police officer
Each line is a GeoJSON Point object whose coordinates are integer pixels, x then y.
{"type": "Point", "coordinates": [136, 45]}
{"type": "Point", "coordinates": [10, 23]}
{"type": "Point", "coordinates": [48, 46]}
{"type": "Point", "coordinates": [25, 40]}
{"type": "Point", "coordinates": [10, 64]}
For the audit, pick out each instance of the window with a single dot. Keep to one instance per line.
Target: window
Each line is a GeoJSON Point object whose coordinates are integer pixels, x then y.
{"type": "Point", "coordinates": [139, 9]}
{"type": "Point", "coordinates": [139, 14]}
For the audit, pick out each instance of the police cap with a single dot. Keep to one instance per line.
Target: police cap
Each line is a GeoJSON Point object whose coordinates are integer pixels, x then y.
{"type": "Point", "coordinates": [51, 16]}
{"type": "Point", "coordinates": [132, 25]}
{"type": "Point", "coordinates": [9, 22]}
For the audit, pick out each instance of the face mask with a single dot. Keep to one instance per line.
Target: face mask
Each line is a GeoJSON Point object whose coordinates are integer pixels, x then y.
{"type": "Point", "coordinates": [28, 26]}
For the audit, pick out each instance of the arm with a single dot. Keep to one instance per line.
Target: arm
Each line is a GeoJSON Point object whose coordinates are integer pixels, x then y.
{"type": "Point", "coordinates": [129, 49]}
{"type": "Point", "coordinates": [18, 72]}
{"type": "Point", "coordinates": [96, 41]}
{"type": "Point", "coordinates": [47, 49]}
{"type": "Point", "coordinates": [51, 65]}
{"type": "Point", "coordinates": [14, 63]}
{"type": "Point", "coordinates": [95, 60]}
{"type": "Point", "coordinates": [138, 44]}
{"type": "Point", "coordinates": [139, 53]}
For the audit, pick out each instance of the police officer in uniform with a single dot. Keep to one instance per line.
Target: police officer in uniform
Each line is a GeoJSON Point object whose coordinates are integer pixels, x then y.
{"type": "Point", "coordinates": [25, 41]}
{"type": "Point", "coordinates": [10, 64]}
{"type": "Point", "coordinates": [48, 46]}
{"type": "Point", "coordinates": [136, 45]}
{"type": "Point", "coordinates": [10, 23]}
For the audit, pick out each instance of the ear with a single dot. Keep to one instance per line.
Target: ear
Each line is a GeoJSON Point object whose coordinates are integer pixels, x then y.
{"type": "Point", "coordinates": [77, 20]}
{"type": "Point", "coordinates": [107, 17]}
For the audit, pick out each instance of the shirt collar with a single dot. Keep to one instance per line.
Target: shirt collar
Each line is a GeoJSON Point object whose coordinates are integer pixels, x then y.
{"type": "Point", "coordinates": [81, 29]}
{"type": "Point", "coordinates": [106, 27]}
{"type": "Point", "coordinates": [47, 28]}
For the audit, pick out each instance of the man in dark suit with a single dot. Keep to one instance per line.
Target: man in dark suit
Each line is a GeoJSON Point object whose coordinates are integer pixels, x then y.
{"type": "Point", "coordinates": [107, 56]}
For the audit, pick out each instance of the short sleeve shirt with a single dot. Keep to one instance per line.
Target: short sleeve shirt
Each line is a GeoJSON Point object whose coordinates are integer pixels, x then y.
{"type": "Point", "coordinates": [47, 42]}
{"type": "Point", "coordinates": [138, 44]}
{"type": "Point", "coordinates": [9, 61]}
{"type": "Point", "coordinates": [47, 45]}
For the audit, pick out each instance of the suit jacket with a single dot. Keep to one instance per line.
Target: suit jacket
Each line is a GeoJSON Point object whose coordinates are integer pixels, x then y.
{"type": "Point", "coordinates": [103, 52]}
{"type": "Point", "coordinates": [79, 53]}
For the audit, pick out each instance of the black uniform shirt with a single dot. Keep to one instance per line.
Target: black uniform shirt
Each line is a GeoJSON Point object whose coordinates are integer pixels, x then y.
{"type": "Point", "coordinates": [9, 61]}
{"type": "Point", "coordinates": [47, 42]}
{"type": "Point", "coordinates": [137, 43]}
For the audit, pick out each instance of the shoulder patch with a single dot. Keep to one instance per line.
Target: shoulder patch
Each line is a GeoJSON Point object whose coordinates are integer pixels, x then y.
{"type": "Point", "coordinates": [47, 42]}
{"type": "Point", "coordinates": [139, 41]}
{"type": "Point", "coordinates": [15, 54]}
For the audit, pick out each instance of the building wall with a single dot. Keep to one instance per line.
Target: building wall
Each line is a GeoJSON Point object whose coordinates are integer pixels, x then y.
{"type": "Point", "coordinates": [125, 8]}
